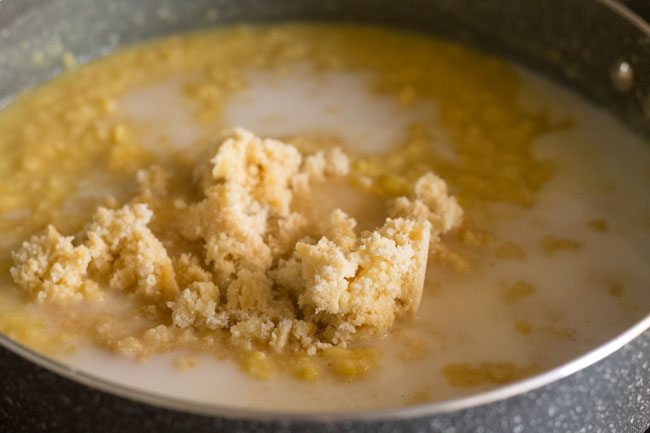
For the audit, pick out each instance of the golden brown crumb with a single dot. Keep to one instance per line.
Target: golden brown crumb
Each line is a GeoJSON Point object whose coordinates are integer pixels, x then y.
{"type": "Point", "coordinates": [188, 270]}
{"type": "Point", "coordinates": [430, 202]}
{"type": "Point", "coordinates": [52, 269]}
{"type": "Point", "coordinates": [366, 287]}
{"type": "Point", "coordinates": [197, 306]}
{"type": "Point", "coordinates": [152, 181]}
{"type": "Point", "coordinates": [128, 254]}
{"type": "Point", "coordinates": [118, 250]}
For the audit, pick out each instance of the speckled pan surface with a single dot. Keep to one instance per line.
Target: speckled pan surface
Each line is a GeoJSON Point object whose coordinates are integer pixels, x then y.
{"type": "Point", "coordinates": [610, 396]}
{"type": "Point", "coordinates": [588, 39]}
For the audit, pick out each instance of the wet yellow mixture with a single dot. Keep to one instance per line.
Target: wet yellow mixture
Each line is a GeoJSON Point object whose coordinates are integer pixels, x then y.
{"type": "Point", "coordinates": [296, 253]}
{"type": "Point", "coordinates": [245, 258]}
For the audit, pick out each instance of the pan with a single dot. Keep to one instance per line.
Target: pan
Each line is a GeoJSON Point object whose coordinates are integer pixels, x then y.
{"type": "Point", "coordinates": [601, 50]}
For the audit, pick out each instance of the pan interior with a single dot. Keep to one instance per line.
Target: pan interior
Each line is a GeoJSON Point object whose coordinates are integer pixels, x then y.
{"type": "Point", "coordinates": [584, 193]}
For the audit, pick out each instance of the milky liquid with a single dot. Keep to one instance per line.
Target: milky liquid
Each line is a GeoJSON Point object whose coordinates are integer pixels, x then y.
{"type": "Point", "coordinates": [603, 173]}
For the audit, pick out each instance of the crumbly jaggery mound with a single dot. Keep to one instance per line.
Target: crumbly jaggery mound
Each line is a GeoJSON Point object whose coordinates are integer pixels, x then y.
{"type": "Point", "coordinates": [52, 269]}
{"type": "Point", "coordinates": [266, 274]}
{"type": "Point", "coordinates": [245, 220]}
{"type": "Point", "coordinates": [188, 270]}
{"type": "Point", "coordinates": [431, 201]}
{"type": "Point", "coordinates": [197, 306]}
{"type": "Point", "coordinates": [117, 250]}
{"type": "Point", "coordinates": [128, 254]}
{"type": "Point", "coordinates": [368, 285]}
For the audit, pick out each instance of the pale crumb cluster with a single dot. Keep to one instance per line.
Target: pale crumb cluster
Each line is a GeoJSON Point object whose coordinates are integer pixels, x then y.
{"type": "Point", "coordinates": [260, 270]}
{"type": "Point", "coordinates": [116, 249]}
{"type": "Point", "coordinates": [431, 202]}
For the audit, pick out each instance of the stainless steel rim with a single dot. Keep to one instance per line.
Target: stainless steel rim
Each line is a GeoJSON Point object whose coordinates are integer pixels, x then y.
{"type": "Point", "coordinates": [484, 398]}
{"type": "Point", "coordinates": [476, 400]}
